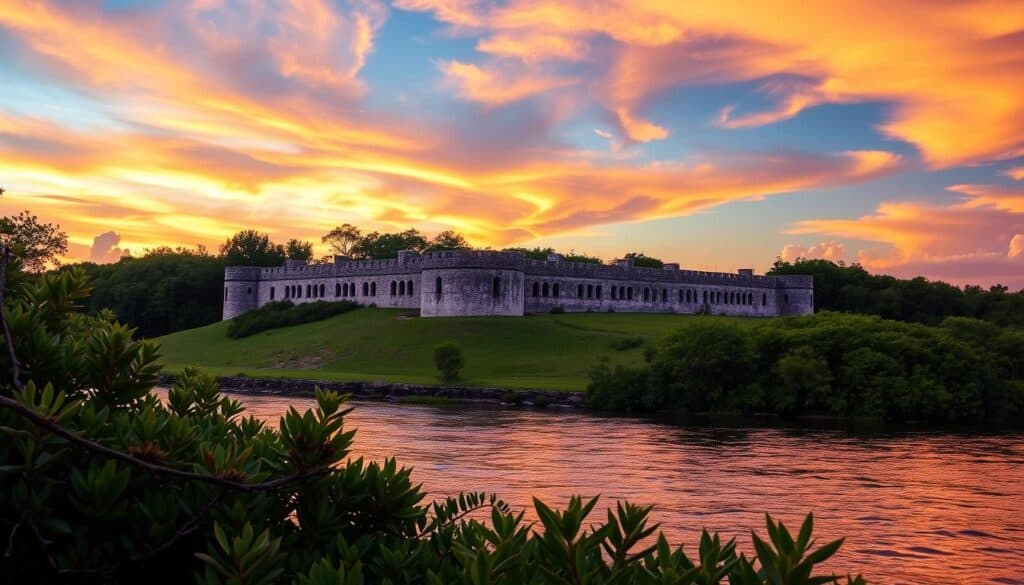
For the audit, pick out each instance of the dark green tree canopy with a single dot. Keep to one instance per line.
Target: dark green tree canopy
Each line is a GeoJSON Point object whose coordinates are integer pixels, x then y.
{"type": "Point", "coordinates": [378, 246]}
{"type": "Point", "coordinates": [299, 250]}
{"type": "Point", "coordinates": [644, 261]}
{"type": "Point", "coordinates": [850, 288]}
{"type": "Point", "coordinates": [252, 248]}
{"type": "Point", "coordinates": [34, 244]}
{"type": "Point", "coordinates": [448, 240]}
{"type": "Point", "coordinates": [342, 239]}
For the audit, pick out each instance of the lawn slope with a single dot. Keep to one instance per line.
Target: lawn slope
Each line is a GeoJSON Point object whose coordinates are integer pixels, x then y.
{"type": "Point", "coordinates": [539, 351]}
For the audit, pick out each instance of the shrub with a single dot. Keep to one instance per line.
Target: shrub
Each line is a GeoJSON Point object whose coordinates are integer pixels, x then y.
{"type": "Point", "coordinates": [557, 310]}
{"type": "Point", "coordinates": [620, 389]}
{"type": "Point", "coordinates": [448, 361]}
{"type": "Point", "coordinates": [279, 314]}
{"type": "Point", "coordinates": [104, 482]}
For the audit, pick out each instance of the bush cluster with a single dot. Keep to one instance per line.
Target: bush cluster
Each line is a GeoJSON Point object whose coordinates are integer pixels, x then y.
{"type": "Point", "coordinates": [104, 482]}
{"type": "Point", "coordinates": [278, 314]}
{"type": "Point", "coordinates": [833, 364]}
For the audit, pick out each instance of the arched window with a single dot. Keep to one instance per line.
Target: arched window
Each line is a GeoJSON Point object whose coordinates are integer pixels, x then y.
{"type": "Point", "coordinates": [373, 289]}
{"type": "Point", "coordinates": [615, 291]}
{"type": "Point", "coordinates": [408, 288]}
{"type": "Point", "coordinates": [785, 299]}
{"type": "Point", "coordinates": [664, 295]}
{"type": "Point", "coordinates": [366, 289]}
{"type": "Point", "coordinates": [554, 290]}
{"type": "Point", "coordinates": [394, 288]}
{"type": "Point", "coordinates": [225, 293]}
{"type": "Point", "coordinates": [647, 294]}
{"type": "Point", "coordinates": [705, 297]}
{"type": "Point", "coordinates": [579, 291]}
{"type": "Point", "coordinates": [437, 286]}
{"type": "Point", "coordinates": [590, 291]}
{"type": "Point", "coordinates": [298, 291]}
{"type": "Point", "coordinates": [322, 288]}
{"type": "Point", "coordinates": [598, 291]}
{"type": "Point", "coordinates": [337, 289]}
{"type": "Point", "coordinates": [401, 288]}
{"type": "Point", "coordinates": [545, 289]}
{"type": "Point", "coordinates": [271, 293]}
{"type": "Point", "coordinates": [629, 293]}
{"type": "Point", "coordinates": [496, 287]}
{"type": "Point", "coordinates": [536, 289]}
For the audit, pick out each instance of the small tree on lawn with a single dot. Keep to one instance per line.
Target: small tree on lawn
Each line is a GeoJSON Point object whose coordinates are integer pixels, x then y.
{"type": "Point", "coordinates": [448, 359]}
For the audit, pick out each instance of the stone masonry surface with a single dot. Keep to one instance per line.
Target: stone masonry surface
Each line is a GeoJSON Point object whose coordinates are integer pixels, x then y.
{"type": "Point", "coordinates": [472, 283]}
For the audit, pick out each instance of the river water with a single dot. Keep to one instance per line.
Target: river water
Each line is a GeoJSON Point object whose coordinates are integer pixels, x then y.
{"type": "Point", "coordinates": [916, 507]}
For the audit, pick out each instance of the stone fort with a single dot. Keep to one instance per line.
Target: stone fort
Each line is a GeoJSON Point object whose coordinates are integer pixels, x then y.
{"type": "Point", "coordinates": [473, 282]}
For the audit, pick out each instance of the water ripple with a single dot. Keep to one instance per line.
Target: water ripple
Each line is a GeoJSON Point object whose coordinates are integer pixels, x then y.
{"type": "Point", "coordinates": [916, 507]}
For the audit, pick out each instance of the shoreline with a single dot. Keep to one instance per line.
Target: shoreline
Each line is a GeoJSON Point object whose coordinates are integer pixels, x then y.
{"type": "Point", "coordinates": [395, 390]}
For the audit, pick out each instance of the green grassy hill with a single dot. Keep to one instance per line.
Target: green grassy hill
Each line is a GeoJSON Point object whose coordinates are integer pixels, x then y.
{"type": "Point", "coordinates": [539, 351]}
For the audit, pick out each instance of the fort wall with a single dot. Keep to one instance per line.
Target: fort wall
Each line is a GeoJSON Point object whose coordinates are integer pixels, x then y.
{"type": "Point", "coordinates": [474, 282]}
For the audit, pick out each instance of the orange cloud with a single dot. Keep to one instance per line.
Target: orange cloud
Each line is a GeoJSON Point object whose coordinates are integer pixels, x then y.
{"type": "Point", "coordinates": [952, 73]}
{"type": "Point", "coordinates": [533, 48]}
{"type": "Point", "coordinates": [205, 146]}
{"type": "Point", "coordinates": [1015, 173]}
{"type": "Point", "coordinates": [832, 250]}
{"type": "Point", "coordinates": [493, 87]}
{"type": "Point", "coordinates": [968, 241]}
{"type": "Point", "coordinates": [1016, 246]}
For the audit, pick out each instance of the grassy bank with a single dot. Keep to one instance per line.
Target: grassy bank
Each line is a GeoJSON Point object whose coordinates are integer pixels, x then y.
{"type": "Point", "coordinates": [551, 352]}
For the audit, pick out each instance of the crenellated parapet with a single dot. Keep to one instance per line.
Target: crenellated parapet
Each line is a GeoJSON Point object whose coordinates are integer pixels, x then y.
{"type": "Point", "coordinates": [484, 282]}
{"type": "Point", "coordinates": [473, 259]}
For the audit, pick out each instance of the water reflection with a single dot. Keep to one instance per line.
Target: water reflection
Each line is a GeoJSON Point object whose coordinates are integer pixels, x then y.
{"type": "Point", "coordinates": [915, 507]}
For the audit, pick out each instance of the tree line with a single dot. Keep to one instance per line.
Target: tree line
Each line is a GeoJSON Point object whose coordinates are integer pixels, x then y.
{"type": "Point", "coordinates": [965, 370]}
{"type": "Point", "coordinates": [852, 289]}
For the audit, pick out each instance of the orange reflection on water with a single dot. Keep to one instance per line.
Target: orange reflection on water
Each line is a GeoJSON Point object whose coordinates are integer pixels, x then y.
{"type": "Point", "coordinates": [915, 507]}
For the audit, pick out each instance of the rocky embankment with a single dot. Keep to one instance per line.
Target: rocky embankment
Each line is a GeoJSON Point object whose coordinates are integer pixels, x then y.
{"type": "Point", "coordinates": [396, 391]}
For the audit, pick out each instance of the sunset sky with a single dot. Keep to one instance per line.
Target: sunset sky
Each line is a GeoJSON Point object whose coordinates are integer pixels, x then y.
{"type": "Point", "coordinates": [716, 134]}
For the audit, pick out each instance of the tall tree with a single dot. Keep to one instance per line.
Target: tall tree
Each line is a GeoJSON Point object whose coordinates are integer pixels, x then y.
{"type": "Point", "coordinates": [375, 245]}
{"type": "Point", "coordinates": [449, 240]}
{"type": "Point", "coordinates": [342, 239]}
{"type": "Point", "coordinates": [299, 250]}
{"type": "Point", "coordinates": [251, 248]}
{"type": "Point", "coordinates": [644, 261]}
{"type": "Point", "coordinates": [35, 244]}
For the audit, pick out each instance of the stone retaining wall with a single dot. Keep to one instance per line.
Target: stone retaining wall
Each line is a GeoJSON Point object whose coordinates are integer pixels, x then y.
{"type": "Point", "coordinates": [387, 390]}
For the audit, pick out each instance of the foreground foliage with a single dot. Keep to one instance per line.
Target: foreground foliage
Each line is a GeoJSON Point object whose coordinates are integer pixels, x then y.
{"type": "Point", "coordinates": [847, 365]}
{"type": "Point", "coordinates": [104, 482]}
{"type": "Point", "coordinates": [278, 314]}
